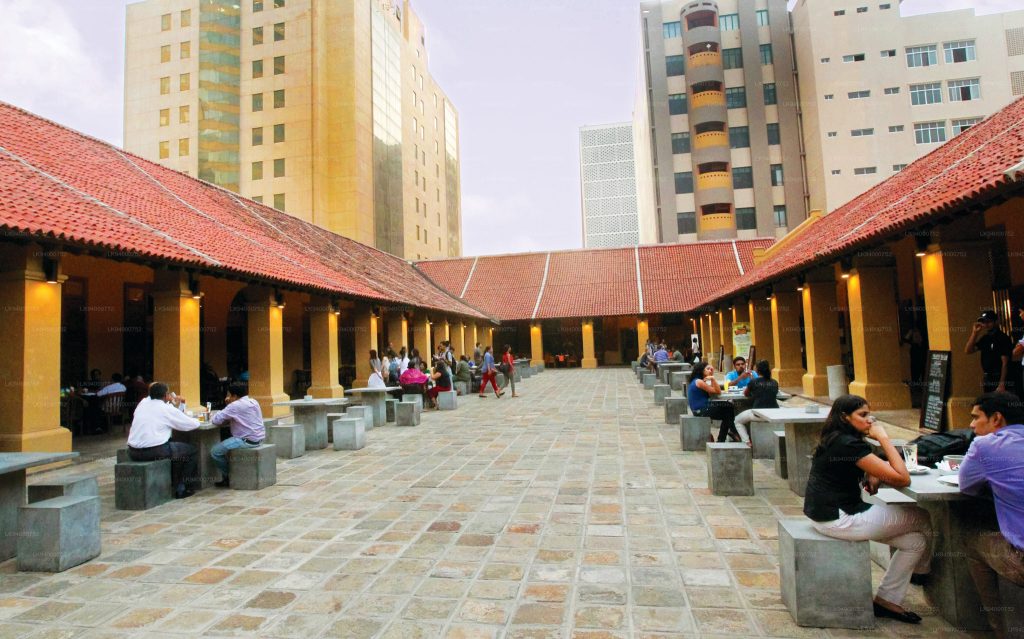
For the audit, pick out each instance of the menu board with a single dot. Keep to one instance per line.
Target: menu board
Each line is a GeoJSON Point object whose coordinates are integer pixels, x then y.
{"type": "Point", "coordinates": [741, 339]}
{"type": "Point", "coordinates": [933, 405]}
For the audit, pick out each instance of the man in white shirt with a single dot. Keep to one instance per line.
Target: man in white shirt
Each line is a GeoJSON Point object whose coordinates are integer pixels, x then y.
{"type": "Point", "coordinates": [115, 386]}
{"type": "Point", "coordinates": [150, 437]}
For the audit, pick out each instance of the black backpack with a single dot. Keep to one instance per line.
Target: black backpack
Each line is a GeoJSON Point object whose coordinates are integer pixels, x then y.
{"type": "Point", "coordinates": [931, 448]}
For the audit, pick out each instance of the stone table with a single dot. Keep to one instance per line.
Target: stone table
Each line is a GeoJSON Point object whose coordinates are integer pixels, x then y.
{"type": "Point", "coordinates": [204, 439]}
{"type": "Point", "coordinates": [312, 414]}
{"type": "Point", "coordinates": [803, 430]}
{"type": "Point", "coordinates": [374, 398]}
{"type": "Point", "coordinates": [12, 492]}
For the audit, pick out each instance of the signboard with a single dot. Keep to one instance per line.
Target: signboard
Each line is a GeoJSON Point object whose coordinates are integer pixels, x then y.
{"type": "Point", "coordinates": [741, 340]}
{"type": "Point", "coordinates": [933, 405]}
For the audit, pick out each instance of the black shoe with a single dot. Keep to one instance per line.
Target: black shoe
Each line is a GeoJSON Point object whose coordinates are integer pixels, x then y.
{"type": "Point", "coordinates": [224, 483]}
{"type": "Point", "coordinates": [920, 578]}
{"type": "Point", "coordinates": [906, 616]}
{"type": "Point", "coordinates": [184, 493]}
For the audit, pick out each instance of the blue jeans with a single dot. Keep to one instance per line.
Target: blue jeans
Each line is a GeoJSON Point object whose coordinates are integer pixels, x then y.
{"type": "Point", "coordinates": [220, 452]}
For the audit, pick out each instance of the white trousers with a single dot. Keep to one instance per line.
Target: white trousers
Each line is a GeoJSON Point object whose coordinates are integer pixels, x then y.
{"type": "Point", "coordinates": [742, 420]}
{"type": "Point", "coordinates": [907, 528]}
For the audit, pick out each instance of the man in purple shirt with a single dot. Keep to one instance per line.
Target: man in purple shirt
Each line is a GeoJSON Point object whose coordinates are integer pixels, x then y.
{"type": "Point", "coordinates": [245, 418]}
{"type": "Point", "coordinates": [996, 461]}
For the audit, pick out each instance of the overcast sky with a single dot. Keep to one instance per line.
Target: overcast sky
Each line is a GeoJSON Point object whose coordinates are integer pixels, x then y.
{"type": "Point", "coordinates": [524, 75]}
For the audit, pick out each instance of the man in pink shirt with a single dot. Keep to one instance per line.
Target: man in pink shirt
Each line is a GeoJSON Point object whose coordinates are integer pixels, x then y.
{"type": "Point", "coordinates": [245, 418]}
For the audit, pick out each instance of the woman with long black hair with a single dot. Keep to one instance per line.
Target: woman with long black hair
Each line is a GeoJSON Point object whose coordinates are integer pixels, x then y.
{"type": "Point", "coordinates": [702, 392]}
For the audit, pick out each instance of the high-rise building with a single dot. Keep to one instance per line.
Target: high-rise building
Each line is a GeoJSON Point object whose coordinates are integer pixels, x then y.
{"type": "Point", "coordinates": [322, 108]}
{"type": "Point", "coordinates": [879, 90]}
{"type": "Point", "coordinates": [609, 187]}
{"type": "Point", "coordinates": [721, 111]}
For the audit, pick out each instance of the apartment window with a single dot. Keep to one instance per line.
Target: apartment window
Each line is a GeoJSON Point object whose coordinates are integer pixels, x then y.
{"type": "Point", "coordinates": [258, 199]}
{"type": "Point", "coordinates": [257, 102]}
{"type": "Point", "coordinates": [671, 30]}
{"type": "Point", "coordinates": [888, 53]}
{"type": "Point", "coordinates": [829, 96]}
{"type": "Point", "coordinates": [278, 64]}
{"type": "Point", "coordinates": [885, 6]}
{"type": "Point", "coordinates": [257, 69]}
{"type": "Point", "coordinates": [854, 57]}
{"type": "Point", "coordinates": [746, 218]}
{"type": "Point", "coordinates": [892, 90]}
{"type": "Point", "coordinates": [736, 98]}
{"type": "Point", "coordinates": [686, 222]}
{"type": "Point", "coordinates": [257, 136]}
{"type": "Point", "coordinates": [279, 201]}
{"type": "Point", "coordinates": [165, 22]}
{"type": "Point", "coordinates": [762, 17]}
{"type": "Point", "coordinates": [862, 9]}
{"type": "Point", "coordinates": [865, 170]}
{"type": "Point", "coordinates": [924, 56]}
{"type": "Point", "coordinates": [928, 93]}
{"type": "Point", "coordinates": [780, 215]}
{"type": "Point", "coordinates": [859, 95]}
{"type": "Point", "coordinates": [766, 54]}
{"type": "Point", "coordinates": [773, 133]}
{"type": "Point", "coordinates": [684, 182]}
{"type": "Point", "coordinates": [183, 114]}
{"type": "Point", "coordinates": [896, 168]}
{"type": "Point", "coordinates": [959, 126]}
{"type": "Point", "coordinates": [186, 17]}
{"type": "Point", "coordinates": [675, 65]}
{"type": "Point", "coordinates": [839, 12]}
{"type": "Point", "coordinates": [278, 98]}
{"type": "Point", "coordinates": [185, 50]}
{"type": "Point", "coordinates": [278, 4]}
{"type": "Point", "coordinates": [279, 167]}
{"type": "Point", "coordinates": [257, 6]}
{"type": "Point", "coordinates": [257, 170]}
{"type": "Point", "coordinates": [165, 53]}
{"type": "Point", "coordinates": [860, 133]}
{"type": "Point", "coordinates": [165, 117]}
{"type": "Point", "coordinates": [732, 58]}
{"type": "Point", "coordinates": [964, 90]}
{"type": "Point", "coordinates": [184, 81]}
{"type": "Point", "coordinates": [278, 133]}
{"type": "Point", "coordinates": [776, 172]}
{"type": "Point", "coordinates": [742, 177]}
{"type": "Point", "coordinates": [833, 134]}
{"type": "Point", "coordinates": [677, 104]}
{"type": "Point", "coordinates": [183, 147]}
{"type": "Point", "coordinates": [425, 240]}
{"type": "Point", "coordinates": [739, 137]}
{"type": "Point", "coordinates": [680, 143]}
{"type": "Point", "coordinates": [930, 132]}
{"type": "Point", "coordinates": [896, 128]}
{"type": "Point", "coordinates": [278, 31]}
{"type": "Point", "coordinates": [769, 94]}
{"type": "Point", "coordinates": [165, 150]}
{"type": "Point", "coordinates": [257, 35]}
{"type": "Point", "coordinates": [729, 21]}
{"type": "Point", "coordinates": [837, 172]}
{"type": "Point", "coordinates": [962, 51]}
{"type": "Point", "coordinates": [826, 60]}
{"type": "Point", "coordinates": [165, 85]}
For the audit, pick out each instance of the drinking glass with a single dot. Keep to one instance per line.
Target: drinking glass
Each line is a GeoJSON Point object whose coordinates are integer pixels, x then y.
{"type": "Point", "coordinates": [910, 455]}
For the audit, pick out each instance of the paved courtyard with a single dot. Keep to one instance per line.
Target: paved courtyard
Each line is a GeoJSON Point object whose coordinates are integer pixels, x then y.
{"type": "Point", "coordinates": [569, 512]}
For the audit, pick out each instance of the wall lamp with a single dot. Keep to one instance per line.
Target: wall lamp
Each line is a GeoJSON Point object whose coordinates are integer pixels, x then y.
{"type": "Point", "coordinates": [51, 270]}
{"type": "Point", "coordinates": [921, 245]}
{"type": "Point", "coordinates": [278, 299]}
{"type": "Point", "coordinates": [193, 287]}
{"type": "Point", "coordinates": [800, 282]}
{"type": "Point", "coordinates": [771, 293]}
{"type": "Point", "coordinates": [846, 265]}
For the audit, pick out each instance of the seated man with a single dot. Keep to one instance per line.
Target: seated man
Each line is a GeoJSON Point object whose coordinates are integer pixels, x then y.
{"type": "Point", "coordinates": [115, 386]}
{"type": "Point", "coordinates": [995, 461]}
{"type": "Point", "coordinates": [150, 437]}
{"type": "Point", "coordinates": [740, 376]}
{"type": "Point", "coordinates": [243, 415]}
{"type": "Point", "coordinates": [660, 355]}
{"type": "Point", "coordinates": [677, 356]}
{"type": "Point", "coordinates": [463, 372]}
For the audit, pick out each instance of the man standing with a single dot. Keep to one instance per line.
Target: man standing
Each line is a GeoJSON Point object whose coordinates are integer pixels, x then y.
{"type": "Point", "coordinates": [477, 354]}
{"type": "Point", "coordinates": [242, 413]}
{"type": "Point", "coordinates": [996, 348]}
{"type": "Point", "coordinates": [995, 461]}
{"type": "Point", "coordinates": [150, 437]}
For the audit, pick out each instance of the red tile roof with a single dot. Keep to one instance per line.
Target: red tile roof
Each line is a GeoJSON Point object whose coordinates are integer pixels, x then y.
{"type": "Point", "coordinates": [978, 164]}
{"type": "Point", "coordinates": [63, 186]}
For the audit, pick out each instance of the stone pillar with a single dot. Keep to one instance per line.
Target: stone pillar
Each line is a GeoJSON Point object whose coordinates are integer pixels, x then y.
{"type": "Point", "coordinates": [821, 330]}
{"type": "Point", "coordinates": [470, 340]}
{"type": "Point", "coordinates": [266, 351]}
{"type": "Point", "coordinates": [760, 313]}
{"type": "Point", "coordinates": [713, 338]}
{"type": "Point", "coordinates": [323, 343]}
{"type": "Point", "coordinates": [459, 340]}
{"type": "Point", "coordinates": [398, 332]}
{"type": "Point", "coordinates": [442, 333]}
{"type": "Point", "coordinates": [705, 336]}
{"type": "Point", "coordinates": [642, 335]}
{"type": "Point", "coordinates": [786, 305]}
{"type": "Point", "coordinates": [176, 335]}
{"type": "Point", "coordinates": [421, 336]}
{"type": "Point", "coordinates": [488, 335]}
{"type": "Point", "coordinates": [725, 335]}
{"type": "Point", "coordinates": [589, 360]}
{"type": "Point", "coordinates": [874, 319]}
{"type": "Point", "coordinates": [366, 339]}
{"type": "Point", "coordinates": [536, 345]}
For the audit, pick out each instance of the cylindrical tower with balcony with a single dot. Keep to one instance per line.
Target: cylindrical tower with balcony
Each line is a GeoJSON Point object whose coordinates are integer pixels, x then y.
{"type": "Point", "coordinates": [709, 121]}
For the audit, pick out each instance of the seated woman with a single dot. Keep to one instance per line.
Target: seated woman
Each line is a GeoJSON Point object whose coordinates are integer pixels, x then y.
{"type": "Point", "coordinates": [442, 382]}
{"type": "Point", "coordinates": [833, 500]}
{"type": "Point", "coordinates": [463, 372]}
{"type": "Point", "coordinates": [413, 382]}
{"type": "Point", "coordinates": [764, 391]}
{"type": "Point", "coordinates": [702, 390]}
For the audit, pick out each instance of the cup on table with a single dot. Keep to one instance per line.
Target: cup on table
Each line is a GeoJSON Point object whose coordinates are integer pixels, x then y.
{"type": "Point", "coordinates": [953, 461]}
{"type": "Point", "coordinates": [910, 455]}
{"type": "Point", "coordinates": [308, 397]}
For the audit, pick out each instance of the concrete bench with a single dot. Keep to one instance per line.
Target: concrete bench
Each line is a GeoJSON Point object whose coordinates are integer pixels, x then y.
{"type": "Point", "coordinates": [288, 439]}
{"type": "Point", "coordinates": [730, 469]}
{"type": "Point", "coordinates": [675, 407]}
{"type": "Point", "coordinates": [661, 392]}
{"type": "Point", "coordinates": [677, 380]}
{"type": "Point", "coordinates": [525, 372]}
{"type": "Point", "coordinates": [415, 398]}
{"type": "Point", "coordinates": [271, 421]}
{"type": "Point", "coordinates": [462, 388]}
{"type": "Point", "coordinates": [364, 413]}
{"type": "Point", "coordinates": [349, 433]}
{"type": "Point", "coordinates": [781, 468]}
{"type": "Point", "coordinates": [650, 379]}
{"type": "Point", "coordinates": [693, 432]}
{"type": "Point", "coordinates": [142, 485]}
{"type": "Point", "coordinates": [59, 533]}
{"type": "Point", "coordinates": [252, 468]}
{"type": "Point", "coordinates": [389, 409]}
{"type": "Point", "coordinates": [518, 375]}
{"type": "Point", "coordinates": [762, 436]}
{"type": "Point", "coordinates": [825, 582]}
{"type": "Point", "coordinates": [407, 414]}
{"type": "Point", "coordinates": [69, 486]}
{"type": "Point", "coordinates": [447, 400]}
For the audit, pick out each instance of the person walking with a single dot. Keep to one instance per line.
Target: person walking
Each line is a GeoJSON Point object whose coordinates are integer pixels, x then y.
{"type": "Point", "coordinates": [490, 373]}
{"type": "Point", "coordinates": [508, 368]}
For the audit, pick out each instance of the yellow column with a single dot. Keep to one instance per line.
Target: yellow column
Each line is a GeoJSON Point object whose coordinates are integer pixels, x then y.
{"type": "Point", "coordinates": [789, 370]}
{"type": "Point", "coordinates": [536, 345]}
{"type": "Point", "coordinates": [588, 361]}
{"type": "Point", "coordinates": [470, 340]}
{"type": "Point", "coordinates": [713, 341]}
{"type": "Point", "coordinates": [176, 335]}
{"type": "Point", "coordinates": [489, 337]}
{"type": "Point", "coordinates": [642, 335]}
{"type": "Point", "coordinates": [760, 313]}
{"type": "Point", "coordinates": [323, 343]}
{"type": "Point", "coordinates": [398, 331]}
{"type": "Point", "coordinates": [30, 313]}
{"type": "Point", "coordinates": [821, 331]}
{"type": "Point", "coordinates": [266, 352]}
{"type": "Point", "coordinates": [421, 337]}
{"type": "Point", "coordinates": [725, 335]}
{"type": "Point", "coordinates": [366, 339]}
{"type": "Point", "coordinates": [740, 313]}
{"type": "Point", "coordinates": [874, 319]}
{"type": "Point", "coordinates": [443, 334]}
{"type": "Point", "coordinates": [459, 340]}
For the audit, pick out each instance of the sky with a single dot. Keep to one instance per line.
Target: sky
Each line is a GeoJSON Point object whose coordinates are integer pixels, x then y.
{"type": "Point", "coordinates": [523, 74]}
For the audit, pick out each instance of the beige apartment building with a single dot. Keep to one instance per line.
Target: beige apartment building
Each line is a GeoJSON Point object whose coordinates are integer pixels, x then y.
{"type": "Point", "coordinates": [879, 90]}
{"type": "Point", "coordinates": [321, 108]}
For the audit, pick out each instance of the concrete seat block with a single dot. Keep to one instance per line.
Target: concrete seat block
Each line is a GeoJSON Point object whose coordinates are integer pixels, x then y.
{"type": "Point", "coordinates": [525, 372]}
{"type": "Point", "coordinates": [677, 380]}
{"type": "Point", "coordinates": [447, 400]}
{"type": "Point", "coordinates": [122, 455]}
{"type": "Point", "coordinates": [69, 486]}
{"type": "Point", "coordinates": [661, 392]}
{"type": "Point", "coordinates": [389, 409]}
{"type": "Point", "coordinates": [694, 431]}
{"type": "Point", "coordinates": [142, 485]}
{"type": "Point", "coordinates": [762, 436]}
{"type": "Point", "coordinates": [634, 364]}
{"type": "Point", "coordinates": [349, 433]}
{"type": "Point", "coordinates": [650, 379]}
{"type": "Point", "coordinates": [289, 440]}
{"type": "Point", "coordinates": [59, 533]}
{"type": "Point", "coordinates": [364, 413]}
{"type": "Point", "coordinates": [675, 407]}
{"type": "Point", "coordinates": [640, 372]}
{"type": "Point", "coordinates": [825, 582]}
{"type": "Point", "coordinates": [781, 468]}
{"type": "Point", "coordinates": [271, 421]}
{"type": "Point", "coordinates": [253, 468]}
{"type": "Point", "coordinates": [406, 414]}
{"type": "Point", "coordinates": [415, 398]}
{"type": "Point", "coordinates": [462, 388]}
{"type": "Point", "coordinates": [730, 469]}
{"type": "Point", "coordinates": [518, 374]}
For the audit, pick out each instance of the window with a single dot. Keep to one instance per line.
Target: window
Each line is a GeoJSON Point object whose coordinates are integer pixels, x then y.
{"type": "Point", "coordinates": [865, 170]}
{"type": "Point", "coordinates": [826, 60]}
{"type": "Point", "coordinates": [677, 104]}
{"type": "Point", "coordinates": [839, 12]}
{"type": "Point", "coordinates": [736, 98]}
{"type": "Point", "coordinates": [671, 30]}
{"type": "Point", "coordinates": [257, 102]}
{"type": "Point", "coordinates": [964, 90]}
{"type": "Point", "coordinates": [854, 57]}
{"type": "Point", "coordinates": [278, 31]}
{"type": "Point", "coordinates": [833, 134]}
{"type": "Point", "coordinates": [776, 172]}
{"type": "Point", "coordinates": [185, 50]}
{"type": "Point", "coordinates": [278, 64]}
{"type": "Point", "coordinates": [837, 172]}
{"type": "Point", "coordinates": [675, 65]}
{"type": "Point", "coordinates": [959, 126]}
{"type": "Point", "coordinates": [278, 4]}
{"type": "Point", "coordinates": [257, 136]}
{"type": "Point", "coordinates": [279, 201]}
{"type": "Point", "coordinates": [896, 168]}
{"type": "Point", "coordinates": [258, 199]}
{"type": "Point", "coordinates": [257, 35]}
{"type": "Point", "coordinates": [686, 222]}
{"type": "Point", "coordinates": [885, 6]}
{"type": "Point", "coordinates": [257, 6]}
{"type": "Point", "coordinates": [680, 143]}
{"type": "Point", "coordinates": [929, 93]}
{"type": "Point", "coordinates": [165, 53]}
{"type": "Point", "coordinates": [762, 17]}
{"type": "Point", "coordinates": [780, 215]}
{"type": "Point", "coordinates": [279, 167]}
{"type": "Point", "coordinates": [766, 54]}
{"type": "Point", "coordinates": [746, 218]}
{"type": "Point", "coordinates": [888, 53]}
{"type": "Point", "coordinates": [684, 182]}
{"type": "Point", "coordinates": [739, 137]}
{"type": "Point", "coordinates": [742, 177]}
{"type": "Point", "coordinates": [930, 132]}
{"type": "Point", "coordinates": [921, 56]}
{"type": "Point", "coordinates": [860, 133]}
{"type": "Point", "coordinates": [278, 98]}
{"type": "Point", "coordinates": [729, 21]}
{"type": "Point", "coordinates": [183, 114]}
{"type": "Point", "coordinates": [165, 85]}
{"type": "Point", "coordinates": [165, 22]}
{"type": "Point", "coordinates": [183, 147]}
{"type": "Point", "coordinates": [773, 133]}
{"type": "Point", "coordinates": [165, 150]}
{"type": "Point", "coordinates": [732, 58]}
{"type": "Point", "coordinates": [829, 96]}
{"type": "Point", "coordinates": [257, 170]}
{"type": "Point", "coordinates": [186, 17]}
{"type": "Point", "coordinates": [896, 128]}
{"type": "Point", "coordinates": [257, 69]}
{"type": "Point", "coordinates": [859, 95]}
{"type": "Point", "coordinates": [892, 90]}
{"type": "Point", "coordinates": [961, 51]}
{"type": "Point", "coordinates": [278, 133]}
{"type": "Point", "coordinates": [184, 81]}
{"type": "Point", "coordinates": [862, 9]}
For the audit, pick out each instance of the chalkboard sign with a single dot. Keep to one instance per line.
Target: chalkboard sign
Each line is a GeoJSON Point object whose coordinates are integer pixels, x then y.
{"type": "Point", "coordinates": [933, 408]}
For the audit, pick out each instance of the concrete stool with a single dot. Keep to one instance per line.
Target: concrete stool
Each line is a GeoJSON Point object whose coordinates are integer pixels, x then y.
{"type": "Point", "coordinates": [661, 392]}
{"type": "Point", "coordinates": [762, 436]}
{"type": "Point", "coordinates": [59, 533]}
{"type": "Point", "coordinates": [416, 399]}
{"type": "Point", "coordinates": [781, 469]}
{"type": "Point", "coordinates": [253, 468]}
{"type": "Point", "coordinates": [142, 485]}
{"type": "Point", "coordinates": [650, 379]}
{"type": "Point", "coordinates": [122, 455]}
{"type": "Point", "coordinates": [362, 412]}
{"type": "Point", "coordinates": [500, 379]}
{"type": "Point", "coordinates": [70, 486]}
{"type": "Point", "coordinates": [825, 582]}
{"type": "Point", "coordinates": [677, 380]}
{"type": "Point", "coordinates": [518, 374]}
{"type": "Point", "coordinates": [446, 400]}
{"type": "Point", "coordinates": [730, 469]}
{"type": "Point", "coordinates": [693, 432]}
{"type": "Point", "coordinates": [462, 388]}
{"type": "Point", "coordinates": [406, 414]}
{"type": "Point", "coordinates": [288, 439]}
{"type": "Point", "coordinates": [271, 421]}
{"type": "Point", "coordinates": [525, 372]}
{"type": "Point", "coordinates": [634, 364]}
{"type": "Point", "coordinates": [389, 409]}
{"type": "Point", "coordinates": [640, 372]}
{"type": "Point", "coordinates": [349, 433]}
{"type": "Point", "coordinates": [675, 407]}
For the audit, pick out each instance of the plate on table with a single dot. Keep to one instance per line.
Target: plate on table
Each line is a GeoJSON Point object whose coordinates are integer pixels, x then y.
{"type": "Point", "coordinates": [918, 470]}
{"type": "Point", "coordinates": [950, 480]}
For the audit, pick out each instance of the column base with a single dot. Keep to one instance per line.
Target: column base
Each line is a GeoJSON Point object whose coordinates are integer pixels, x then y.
{"type": "Point", "coordinates": [815, 385]}
{"type": "Point", "coordinates": [269, 410]}
{"type": "Point", "coordinates": [788, 376]}
{"type": "Point", "coordinates": [326, 392]}
{"type": "Point", "coordinates": [883, 396]}
{"type": "Point", "coordinates": [536, 362]}
{"type": "Point", "coordinates": [588, 362]}
{"type": "Point", "coordinates": [54, 440]}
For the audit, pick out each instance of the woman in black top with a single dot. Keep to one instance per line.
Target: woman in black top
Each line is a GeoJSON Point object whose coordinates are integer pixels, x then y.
{"type": "Point", "coordinates": [764, 391]}
{"type": "Point", "coordinates": [833, 500]}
